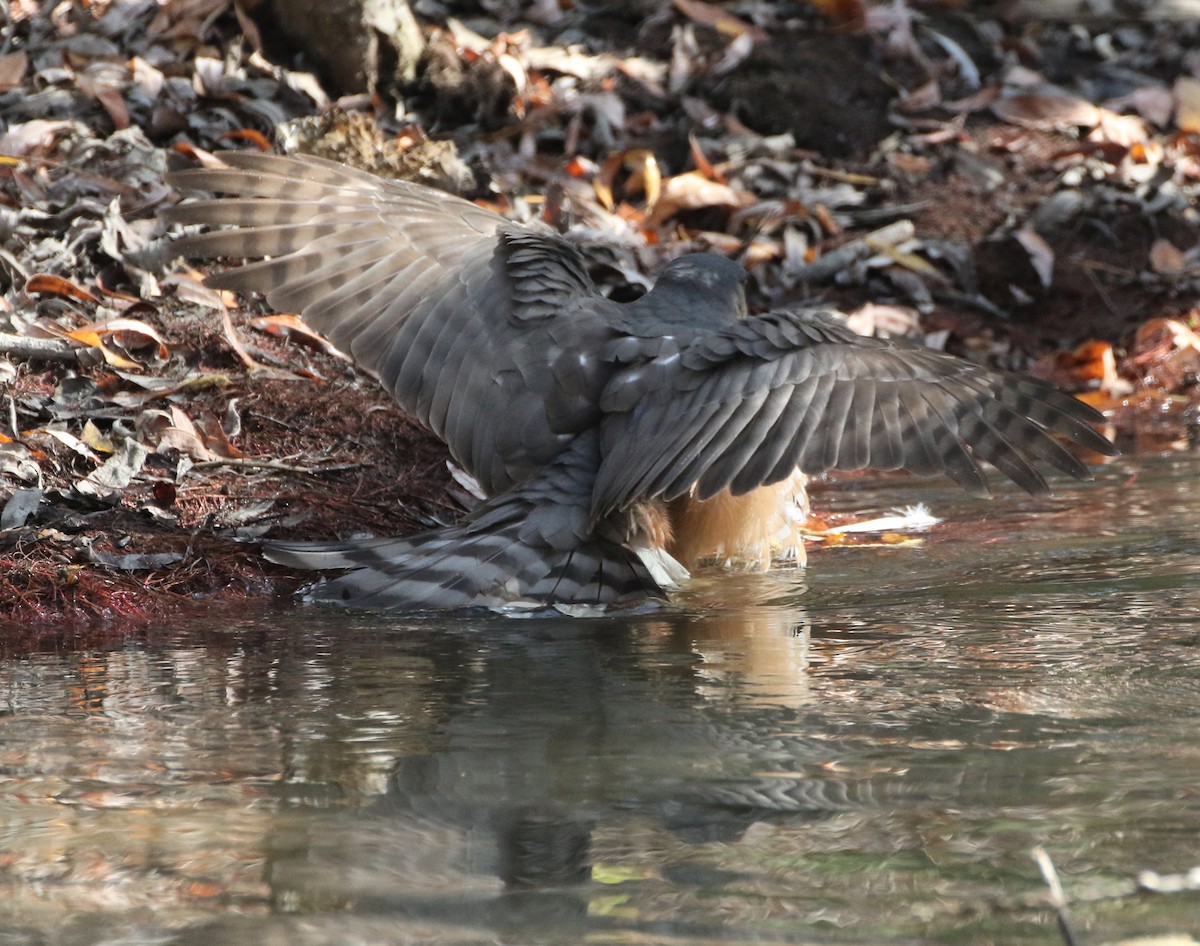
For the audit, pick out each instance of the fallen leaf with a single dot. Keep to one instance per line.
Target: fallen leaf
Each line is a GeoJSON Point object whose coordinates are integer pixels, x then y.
{"type": "Point", "coordinates": [252, 135]}
{"type": "Point", "coordinates": [1124, 130]}
{"type": "Point", "coordinates": [1091, 364]}
{"type": "Point", "coordinates": [135, 561]}
{"type": "Point", "coordinates": [693, 190]}
{"type": "Point", "coordinates": [1165, 257]}
{"type": "Point", "coordinates": [216, 440]}
{"type": "Point", "coordinates": [117, 472]}
{"type": "Point", "coordinates": [1041, 256]}
{"type": "Point", "coordinates": [12, 70]}
{"type": "Point", "coordinates": [922, 98]}
{"type": "Point", "coordinates": [95, 438]}
{"type": "Point", "coordinates": [172, 430]}
{"type": "Point", "coordinates": [645, 177]}
{"type": "Point", "coordinates": [1187, 103]}
{"type": "Point", "coordinates": [126, 326]}
{"type": "Point", "coordinates": [1154, 103]}
{"type": "Point", "coordinates": [33, 137]}
{"type": "Point", "coordinates": [720, 19]}
{"type": "Point", "coordinates": [114, 104]}
{"type": "Point", "coordinates": [72, 442]}
{"type": "Point", "coordinates": [46, 283]}
{"type": "Point", "coordinates": [21, 506]}
{"type": "Point", "coordinates": [850, 15]}
{"type": "Point", "coordinates": [285, 325]}
{"type": "Point", "coordinates": [1046, 110]}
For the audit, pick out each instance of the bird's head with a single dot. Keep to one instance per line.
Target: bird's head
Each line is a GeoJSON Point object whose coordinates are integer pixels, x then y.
{"type": "Point", "coordinates": [701, 288]}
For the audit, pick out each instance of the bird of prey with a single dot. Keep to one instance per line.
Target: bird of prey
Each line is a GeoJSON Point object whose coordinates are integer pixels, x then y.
{"type": "Point", "coordinates": [607, 435]}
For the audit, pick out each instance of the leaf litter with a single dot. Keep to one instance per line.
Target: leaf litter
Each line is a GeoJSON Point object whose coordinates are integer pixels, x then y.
{"type": "Point", "coordinates": [1020, 193]}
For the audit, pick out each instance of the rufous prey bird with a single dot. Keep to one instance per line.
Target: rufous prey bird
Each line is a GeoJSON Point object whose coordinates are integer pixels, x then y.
{"type": "Point", "coordinates": [601, 431]}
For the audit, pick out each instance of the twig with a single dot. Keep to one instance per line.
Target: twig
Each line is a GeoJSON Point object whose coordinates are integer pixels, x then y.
{"type": "Point", "coordinates": [1058, 898]}
{"type": "Point", "coordinates": [274, 465]}
{"type": "Point", "coordinates": [42, 349]}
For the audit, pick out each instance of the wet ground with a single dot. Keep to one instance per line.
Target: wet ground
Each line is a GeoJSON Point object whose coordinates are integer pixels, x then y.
{"type": "Point", "coordinates": [869, 758]}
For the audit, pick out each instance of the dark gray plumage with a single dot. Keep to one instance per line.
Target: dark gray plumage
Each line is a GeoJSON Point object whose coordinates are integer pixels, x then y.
{"type": "Point", "coordinates": [577, 414]}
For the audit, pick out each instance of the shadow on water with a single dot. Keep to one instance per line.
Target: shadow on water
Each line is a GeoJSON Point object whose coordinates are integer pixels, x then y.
{"type": "Point", "coordinates": [868, 761]}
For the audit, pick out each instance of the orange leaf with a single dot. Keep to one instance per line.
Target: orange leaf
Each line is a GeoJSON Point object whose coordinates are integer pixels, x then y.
{"type": "Point", "coordinates": [119, 326]}
{"type": "Point", "coordinates": [845, 13]}
{"type": "Point", "coordinates": [85, 337]}
{"type": "Point", "coordinates": [703, 165]}
{"type": "Point", "coordinates": [290, 324]}
{"type": "Point", "coordinates": [57, 286]}
{"type": "Point", "coordinates": [206, 158]}
{"type": "Point", "coordinates": [645, 176]}
{"type": "Point", "coordinates": [118, 361]}
{"type": "Point", "coordinates": [721, 20]}
{"type": "Point", "coordinates": [256, 138]}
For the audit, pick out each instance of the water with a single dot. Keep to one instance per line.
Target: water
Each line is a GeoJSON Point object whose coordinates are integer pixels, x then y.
{"type": "Point", "coordinates": [871, 759]}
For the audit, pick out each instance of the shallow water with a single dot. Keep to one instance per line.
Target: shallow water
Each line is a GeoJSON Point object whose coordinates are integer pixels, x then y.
{"type": "Point", "coordinates": [868, 759]}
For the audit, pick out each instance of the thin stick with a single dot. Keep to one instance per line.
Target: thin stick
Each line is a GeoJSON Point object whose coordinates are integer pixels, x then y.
{"type": "Point", "coordinates": [1058, 898]}
{"type": "Point", "coordinates": [40, 349]}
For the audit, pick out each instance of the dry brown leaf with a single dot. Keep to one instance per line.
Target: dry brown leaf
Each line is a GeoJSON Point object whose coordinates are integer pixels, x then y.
{"type": "Point", "coordinates": [848, 14]}
{"type": "Point", "coordinates": [236, 344]}
{"type": "Point", "coordinates": [1046, 110]}
{"type": "Point", "coordinates": [720, 19]}
{"type": "Point", "coordinates": [285, 325]}
{"type": "Point", "coordinates": [1152, 102]}
{"type": "Point", "coordinates": [1165, 257]}
{"type": "Point", "coordinates": [248, 26]}
{"type": "Point", "coordinates": [1187, 104]}
{"type": "Point", "coordinates": [69, 440]}
{"type": "Point", "coordinates": [922, 98]}
{"type": "Point", "coordinates": [100, 88]}
{"type": "Point", "coordinates": [645, 176]}
{"type": "Point", "coordinates": [913, 165]}
{"type": "Point", "coordinates": [123, 326]}
{"type": "Point", "coordinates": [216, 440]}
{"type": "Point", "coordinates": [1165, 354]}
{"type": "Point", "coordinates": [1154, 332]}
{"type": "Point", "coordinates": [49, 284]}
{"type": "Point", "coordinates": [703, 165]}
{"type": "Point", "coordinates": [1092, 362]}
{"type": "Point", "coordinates": [12, 70]}
{"type": "Point", "coordinates": [172, 430]}
{"type": "Point", "coordinates": [186, 19]}
{"type": "Point", "coordinates": [693, 190]}
{"type": "Point", "coordinates": [206, 158]}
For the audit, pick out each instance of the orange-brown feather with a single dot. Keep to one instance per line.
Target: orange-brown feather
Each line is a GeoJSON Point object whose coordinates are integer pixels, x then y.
{"type": "Point", "coordinates": [748, 530]}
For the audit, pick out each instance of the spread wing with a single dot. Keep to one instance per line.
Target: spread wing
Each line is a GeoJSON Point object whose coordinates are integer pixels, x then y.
{"type": "Point", "coordinates": [748, 404]}
{"type": "Point", "coordinates": [470, 322]}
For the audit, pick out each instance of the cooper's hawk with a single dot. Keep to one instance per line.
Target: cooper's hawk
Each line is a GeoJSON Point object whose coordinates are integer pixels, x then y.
{"type": "Point", "coordinates": [596, 427]}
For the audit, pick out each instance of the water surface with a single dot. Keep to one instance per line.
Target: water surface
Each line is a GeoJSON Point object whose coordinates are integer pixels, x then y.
{"type": "Point", "coordinates": [868, 755]}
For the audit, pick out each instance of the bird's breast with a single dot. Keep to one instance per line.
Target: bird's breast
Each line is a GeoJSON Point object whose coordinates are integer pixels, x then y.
{"type": "Point", "coordinates": [750, 530]}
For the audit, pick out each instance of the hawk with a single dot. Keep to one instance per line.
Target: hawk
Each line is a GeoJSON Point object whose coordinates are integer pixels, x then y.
{"type": "Point", "coordinates": [607, 435]}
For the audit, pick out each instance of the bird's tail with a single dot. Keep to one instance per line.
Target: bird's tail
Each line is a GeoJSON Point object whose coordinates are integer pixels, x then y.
{"type": "Point", "coordinates": [532, 546]}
